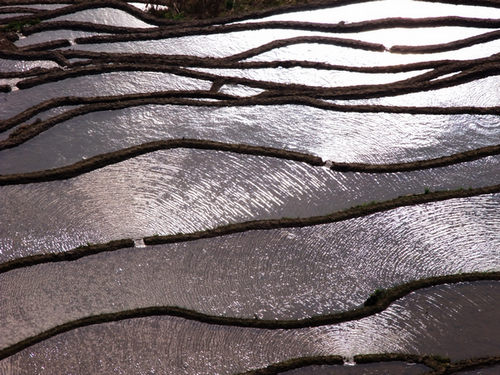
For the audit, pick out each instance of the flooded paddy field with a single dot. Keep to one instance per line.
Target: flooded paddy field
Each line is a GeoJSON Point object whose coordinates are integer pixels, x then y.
{"type": "Point", "coordinates": [312, 189]}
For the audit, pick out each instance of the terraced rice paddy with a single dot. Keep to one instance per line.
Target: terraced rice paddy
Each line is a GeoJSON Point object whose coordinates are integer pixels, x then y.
{"type": "Point", "coordinates": [312, 189]}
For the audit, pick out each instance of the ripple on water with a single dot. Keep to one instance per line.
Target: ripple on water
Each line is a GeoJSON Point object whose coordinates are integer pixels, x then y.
{"type": "Point", "coordinates": [341, 137]}
{"type": "Point", "coordinates": [458, 320]}
{"type": "Point", "coordinates": [106, 84]}
{"type": "Point", "coordinates": [221, 45]}
{"type": "Point", "coordinates": [478, 93]}
{"type": "Point", "coordinates": [181, 190]}
{"type": "Point", "coordinates": [313, 77]}
{"type": "Point", "coordinates": [48, 36]}
{"type": "Point", "coordinates": [336, 55]}
{"type": "Point", "coordinates": [162, 345]}
{"type": "Point", "coordinates": [286, 274]}
{"type": "Point", "coordinates": [104, 16]}
{"type": "Point", "coordinates": [484, 371]}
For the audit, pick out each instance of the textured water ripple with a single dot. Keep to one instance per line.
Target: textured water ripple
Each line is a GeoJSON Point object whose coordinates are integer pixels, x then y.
{"type": "Point", "coordinates": [167, 192]}
{"type": "Point", "coordinates": [191, 347]}
{"type": "Point", "coordinates": [285, 273]}
{"type": "Point", "coordinates": [340, 137]}
{"type": "Point", "coordinates": [291, 273]}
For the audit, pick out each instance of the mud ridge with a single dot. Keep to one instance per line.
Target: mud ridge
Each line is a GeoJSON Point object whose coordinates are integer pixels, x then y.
{"type": "Point", "coordinates": [276, 368]}
{"type": "Point", "coordinates": [26, 132]}
{"type": "Point", "coordinates": [467, 365]}
{"type": "Point", "coordinates": [445, 47]}
{"type": "Point", "coordinates": [312, 5]}
{"type": "Point", "coordinates": [28, 73]}
{"type": "Point", "coordinates": [439, 365]}
{"type": "Point", "coordinates": [486, 3]}
{"type": "Point", "coordinates": [163, 32]}
{"type": "Point", "coordinates": [169, 31]}
{"type": "Point", "coordinates": [77, 253]}
{"type": "Point", "coordinates": [103, 160]}
{"type": "Point", "coordinates": [75, 6]}
{"type": "Point", "coordinates": [5, 10]}
{"type": "Point", "coordinates": [81, 26]}
{"type": "Point", "coordinates": [427, 81]}
{"type": "Point", "coordinates": [466, 71]}
{"type": "Point", "coordinates": [210, 62]}
{"type": "Point", "coordinates": [350, 213]}
{"type": "Point", "coordinates": [295, 363]}
{"type": "Point", "coordinates": [391, 295]}
{"type": "Point", "coordinates": [85, 5]}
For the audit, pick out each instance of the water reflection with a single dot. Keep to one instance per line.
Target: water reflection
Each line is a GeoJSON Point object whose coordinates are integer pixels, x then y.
{"type": "Point", "coordinates": [458, 320]}
{"type": "Point", "coordinates": [337, 136]}
{"type": "Point", "coordinates": [187, 190]}
{"type": "Point", "coordinates": [115, 83]}
{"type": "Point", "coordinates": [313, 77]}
{"type": "Point", "coordinates": [292, 273]}
{"type": "Point", "coordinates": [385, 9]}
{"type": "Point", "coordinates": [478, 93]}
{"type": "Point", "coordinates": [104, 16]}
{"type": "Point", "coordinates": [276, 274]}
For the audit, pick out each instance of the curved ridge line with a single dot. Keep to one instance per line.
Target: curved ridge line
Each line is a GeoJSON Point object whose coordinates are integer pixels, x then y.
{"type": "Point", "coordinates": [443, 161]}
{"type": "Point", "coordinates": [295, 363]}
{"type": "Point", "coordinates": [102, 160]}
{"type": "Point", "coordinates": [211, 62]}
{"type": "Point", "coordinates": [66, 256]}
{"type": "Point", "coordinates": [74, 7]}
{"type": "Point", "coordinates": [137, 34]}
{"type": "Point", "coordinates": [280, 43]}
{"type": "Point", "coordinates": [15, 9]}
{"type": "Point", "coordinates": [445, 47]}
{"type": "Point", "coordinates": [439, 365]}
{"type": "Point", "coordinates": [390, 296]}
{"type": "Point", "coordinates": [350, 213]}
{"type": "Point", "coordinates": [466, 365]}
{"type": "Point", "coordinates": [111, 101]}
{"type": "Point", "coordinates": [113, 157]}
{"type": "Point", "coordinates": [184, 63]}
{"type": "Point", "coordinates": [299, 362]}
{"type": "Point", "coordinates": [40, 77]}
{"type": "Point", "coordinates": [347, 214]}
{"type": "Point", "coordinates": [27, 132]}
{"type": "Point", "coordinates": [293, 93]}
{"type": "Point", "coordinates": [146, 17]}
{"type": "Point", "coordinates": [466, 71]}
{"type": "Point", "coordinates": [312, 5]}
{"type": "Point", "coordinates": [360, 26]}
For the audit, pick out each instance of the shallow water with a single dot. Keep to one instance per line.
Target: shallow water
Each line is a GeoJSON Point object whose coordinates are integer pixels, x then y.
{"type": "Point", "coordinates": [107, 84]}
{"type": "Point", "coordinates": [428, 319]}
{"type": "Point", "coordinates": [276, 274]}
{"type": "Point", "coordinates": [479, 93]}
{"type": "Point", "coordinates": [341, 137]}
{"type": "Point", "coordinates": [48, 36]}
{"type": "Point", "coordinates": [166, 192]}
{"type": "Point", "coordinates": [484, 371]}
{"type": "Point", "coordinates": [104, 16]}
{"type": "Point", "coordinates": [387, 8]}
